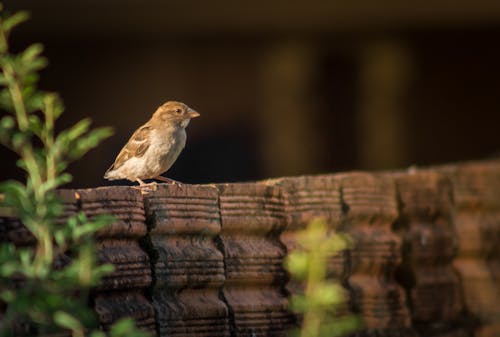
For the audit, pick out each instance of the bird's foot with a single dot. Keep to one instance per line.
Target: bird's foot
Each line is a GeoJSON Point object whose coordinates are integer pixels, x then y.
{"type": "Point", "coordinates": [146, 188]}
{"type": "Point", "coordinates": [169, 181]}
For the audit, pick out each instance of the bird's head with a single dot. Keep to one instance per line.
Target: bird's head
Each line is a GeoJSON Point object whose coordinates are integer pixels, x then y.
{"type": "Point", "coordinates": [175, 113]}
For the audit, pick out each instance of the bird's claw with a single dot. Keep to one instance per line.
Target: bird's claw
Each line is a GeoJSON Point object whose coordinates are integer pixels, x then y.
{"type": "Point", "coordinates": [146, 188]}
{"type": "Point", "coordinates": [176, 183]}
{"type": "Point", "coordinates": [169, 181]}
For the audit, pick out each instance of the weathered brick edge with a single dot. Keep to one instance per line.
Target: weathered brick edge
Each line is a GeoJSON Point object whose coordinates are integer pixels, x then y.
{"type": "Point", "coordinates": [206, 260]}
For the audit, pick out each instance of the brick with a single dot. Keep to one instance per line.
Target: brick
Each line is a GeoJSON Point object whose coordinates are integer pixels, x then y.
{"type": "Point", "coordinates": [477, 223]}
{"type": "Point", "coordinates": [188, 267]}
{"type": "Point", "coordinates": [118, 294]}
{"type": "Point", "coordinates": [425, 259]}
{"type": "Point", "coordinates": [371, 208]}
{"type": "Point", "coordinates": [111, 306]}
{"type": "Point", "coordinates": [252, 219]}
{"type": "Point", "coordinates": [430, 241]}
{"type": "Point", "coordinates": [307, 198]}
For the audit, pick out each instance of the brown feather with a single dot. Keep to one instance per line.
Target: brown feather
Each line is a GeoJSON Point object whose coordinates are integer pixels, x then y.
{"type": "Point", "coordinates": [136, 146]}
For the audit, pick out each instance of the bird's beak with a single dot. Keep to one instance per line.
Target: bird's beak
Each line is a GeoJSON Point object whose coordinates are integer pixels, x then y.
{"type": "Point", "coordinates": [193, 114]}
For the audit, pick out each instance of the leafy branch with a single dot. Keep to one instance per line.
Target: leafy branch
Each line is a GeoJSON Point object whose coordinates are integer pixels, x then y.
{"type": "Point", "coordinates": [46, 286]}
{"type": "Point", "coordinates": [323, 299]}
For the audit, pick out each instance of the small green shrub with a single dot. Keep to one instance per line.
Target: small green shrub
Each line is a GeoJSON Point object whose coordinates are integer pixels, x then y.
{"type": "Point", "coordinates": [44, 288]}
{"type": "Point", "coordinates": [321, 299]}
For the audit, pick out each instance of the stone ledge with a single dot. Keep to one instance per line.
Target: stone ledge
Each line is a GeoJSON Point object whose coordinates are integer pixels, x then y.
{"type": "Point", "coordinates": [206, 260]}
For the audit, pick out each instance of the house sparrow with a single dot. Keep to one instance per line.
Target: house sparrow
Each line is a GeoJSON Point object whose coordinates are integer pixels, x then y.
{"type": "Point", "coordinates": [153, 147]}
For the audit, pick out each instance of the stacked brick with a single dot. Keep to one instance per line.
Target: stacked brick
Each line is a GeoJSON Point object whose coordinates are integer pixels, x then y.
{"type": "Point", "coordinates": [122, 293]}
{"type": "Point", "coordinates": [304, 199]}
{"type": "Point", "coordinates": [187, 265]}
{"type": "Point", "coordinates": [252, 218]}
{"type": "Point", "coordinates": [430, 242]}
{"type": "Point", "coordinates": [371, 209]}
{"type": "Point", "coordinates": [477, 222]}
{"type": "Point", "coordinates": [12, 230]}
{"type": "Point", "coordinates": [206, 260]}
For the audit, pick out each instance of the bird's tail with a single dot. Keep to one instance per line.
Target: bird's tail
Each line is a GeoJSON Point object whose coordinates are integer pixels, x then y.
{"type": "Point", "coordinates": [110, 174]}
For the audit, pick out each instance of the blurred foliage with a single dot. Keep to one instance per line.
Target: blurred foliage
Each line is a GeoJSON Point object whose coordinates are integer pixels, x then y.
{"type": "Point", "coordinates": [45, 288]}
{"type": "Point", "coordinates": [323, 300]}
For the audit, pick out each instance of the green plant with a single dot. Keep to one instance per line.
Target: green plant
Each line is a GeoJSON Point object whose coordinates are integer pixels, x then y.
{"type": "Point", "coordinates": [322, 298]}
{"type": "Point", "coordinates": [44, 288]}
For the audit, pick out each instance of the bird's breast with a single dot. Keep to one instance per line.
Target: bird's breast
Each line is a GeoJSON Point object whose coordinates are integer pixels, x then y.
{"type": "Point", "coordinates": [167, 147]}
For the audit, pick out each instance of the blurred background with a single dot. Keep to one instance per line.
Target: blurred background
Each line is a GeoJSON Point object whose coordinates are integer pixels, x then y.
{"type": "Point", "coordinates": [283, 87]}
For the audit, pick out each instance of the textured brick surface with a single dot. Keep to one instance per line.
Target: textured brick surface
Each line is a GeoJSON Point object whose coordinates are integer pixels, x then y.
{"type": "Point", "coordinates": [206, 260]}
{"type": "Point", "coordinates": [120, 294]}
{"type": "Point", "coordinates": [477, 222]}
{"type": "Point", "coordinates": [371, 209]}
{"type": "Point", "coordinates": [252, 219]}
{"type": "Point", "coordinates": [188, 267]}
{"type": "Point", "coordinates": [430, 242]}
{"type": "Point", "coordinates": [305, 199]}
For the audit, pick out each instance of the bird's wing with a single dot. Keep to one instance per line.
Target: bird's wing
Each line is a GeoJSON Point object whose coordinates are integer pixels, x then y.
{"type": "Point", "coordinates": [136, 146]}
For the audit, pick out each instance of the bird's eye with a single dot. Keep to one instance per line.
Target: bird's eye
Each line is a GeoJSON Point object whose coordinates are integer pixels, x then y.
{"type": "Point", "coordinates": [178, 111]}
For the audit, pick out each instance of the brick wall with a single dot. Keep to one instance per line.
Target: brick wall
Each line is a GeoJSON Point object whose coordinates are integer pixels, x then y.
{"type": "Point", "coordinates": [206, 260]}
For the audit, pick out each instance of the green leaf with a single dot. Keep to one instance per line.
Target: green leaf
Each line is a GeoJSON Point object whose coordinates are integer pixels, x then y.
{"type": "Point", "coordinates": [60, 180]}
{"type": "Point", "coordinates": [97, 334]}
{"type": "Point", "coordinates": [7, 122]}
{"type": "Point", "coordinates": [103, 270]}
{"type": "Point", "coordinates": [89, 141]}
{"type": "Point", "coordinates": [21, 164]}
{"type": "Point", "coordinates": [25, 257]}
{"type": "Point", "coordinates": [35, 65]}
{"type": "Point", "coordinates": [299, 303]}
{"type": "Point", "coordinates": [326, 295]}
{"type": "Point", "coordinates": [64, 142]}
{"type": "Point", "coordinates": [86, 229]}
{"type": "Point", "coordinates": [126, 328]}
{"type": "Point", "coordinates": [34, 101]}
{"type": "Point", "coordinates": [35, 124]}
{"type": "Point", "coordinates": [8, 296]}
{"type": "Point", "coordinates": [60, 237]}
{"type": "Point", "coordinates": [78, 129]}
{"type": "Point", "coordinates": [104, 219]}
{"type": "Point", "coordinates": [15, 20]}
{"type": "Point", "coordinates": [7, 250]}
{"type": "Point", "coordinates": [6, 100]}
{"type": "Point", "coordinates": [297, 264]}
{"type": "Point", "coordinates": [8, 269]}
{"type": "Point", "coordinates": [337, 243]}
{"type": "Point", "coordinates": [52, 104]}
{"type": "Point", "coordinates": [32, 52]}
{"type": "Point", "coordinates": [30, 80]}
{"type": "Point", "coordinates": [19, 140]}
{"type": "Point", "coordinates": [72, 222]}
{"type": "Point", "coordinates": [61, 166]}
{"type": "Point", "coordinates": [67, 321]}
{"type": "Point", "coordinates": [340, 326]}
{"type": "Point", "coordinates": [15, 193]}
{"type": "Point", "coordinates": [58, 108]}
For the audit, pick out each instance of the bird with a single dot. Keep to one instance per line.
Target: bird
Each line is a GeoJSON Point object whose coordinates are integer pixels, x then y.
{"type": "Point", "coordinates": [154, 147]}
